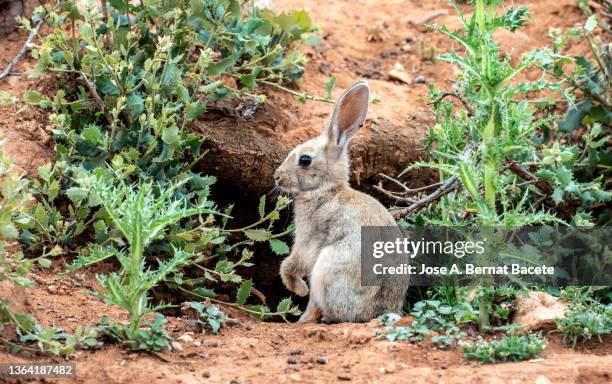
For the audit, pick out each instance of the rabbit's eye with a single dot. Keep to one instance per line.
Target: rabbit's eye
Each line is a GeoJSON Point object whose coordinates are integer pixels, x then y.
{"type": "Point", "coordinates": [305, 160]}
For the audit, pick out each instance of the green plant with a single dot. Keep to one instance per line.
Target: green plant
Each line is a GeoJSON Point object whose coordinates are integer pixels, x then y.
{"type": "Point", "coordinates": [429, 316]}
{"type": "Point", "coordinates": [133, 78]}
{"type": "Point", "coordinates": [585, 318]}
{"type": "Point", "coordinates": [152, 337]}
{"type": "Point", "coordinates": [14, 269]}
{"type": "Point", "coordinates": [142, 214]}
{"type": "Point", "coordinates": [509, 347]}
{"type": "Point", "coordinates": [494, 170]}
{"type": "Point", "coordinates": [208, 317]}
{"type": "Point", "coordinates": [591, 112]}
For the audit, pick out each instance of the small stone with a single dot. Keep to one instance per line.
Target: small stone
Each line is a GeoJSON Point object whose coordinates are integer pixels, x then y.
{"type": "Point", "coordinates": [177, 346]}
{"type": "Point", "coordinates": [406, 47]}
{"type": "Point", "coordinates": [295, 377]}
{"type": "Point", "coordinates": [420, 80]}
{"type": "Point", "coordinates": [296, 351]}
{"type": "Point", "coordinates": [444, 366]}
{"type": "Point", "coordinates": [400, 76]}
{"type": "Point", "coordinates": [205, 374]}
{"type": "Point", "coordinates": [542, 380]}
{"type": "Point", "coordinates": [197, 343]}
{"type": "Point", "coordinates": [322, 360]}
{"type": "Point", "coordinates": [390, 368]}
{"type": "Point", "coordinates": [344, 378]}
{"type": "Point", "coordinates": [185, 338]}
{"type": "Point", "coordinates": [292, 360]}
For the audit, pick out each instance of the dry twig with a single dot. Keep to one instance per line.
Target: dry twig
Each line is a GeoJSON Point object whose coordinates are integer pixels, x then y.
{"type": "Point", "coordinates": [466, 105]}
{"type": "Point", "coordinates": [92, 90]}
{"type": "Point", "coordinates": [26, 47]}
{"type": "Point", "coordinates": [524, 174]}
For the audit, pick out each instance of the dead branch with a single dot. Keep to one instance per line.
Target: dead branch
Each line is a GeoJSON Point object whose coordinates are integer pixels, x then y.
{"type": "Point", "coordinates": [92, 90]}
{"type": "Point", "coordinates": [430, 17]}
{"type": "Point", "coordinates": [524, 174]}
{"type": "Point", "coordinates": [406, 189]}
{"type": "Point", "coordinates": [466, 105]}
{"type": "Point", "coordinates": [23, 51]}
{"type": "Point", "coordinates": [445, 188]}
{"type": "Point", "coordinates": [393, 195]}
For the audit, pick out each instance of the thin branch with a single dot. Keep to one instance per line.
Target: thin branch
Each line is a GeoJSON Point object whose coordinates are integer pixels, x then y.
{"type": "Point", "coordinates": [524, 174]}
{"type": "Point", "coordinates": [92, 90]}
{"type": "Point", "coordinates": [445, 188]}
{"type": "Point", "coordinates": [22, 52]}
{"type": "Point", "coordinates": [392, 195]}
{"type": "Point", "coordinates": [466, 105]}
{"type": "Point", "coordinates": [409, 190]}
{"type": "Point", "coordinates": [428, 18]}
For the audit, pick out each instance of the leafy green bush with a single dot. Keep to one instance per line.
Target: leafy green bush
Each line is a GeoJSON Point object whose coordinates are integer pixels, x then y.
{"type": "Point", "coordinates": [132, 78]}
{"type": "Point", "coordinates": [14, 268]}
{"type": "Point", "coordinates": [585, 318]}
{"type": "Point", "coordinates": [591, 110]}
{"type": "Point", "coordinates": [495, 169]}
{"type": "Point", "coordinates": [430, 315]}
{"type": "Point", "coordinates": [508, 348]}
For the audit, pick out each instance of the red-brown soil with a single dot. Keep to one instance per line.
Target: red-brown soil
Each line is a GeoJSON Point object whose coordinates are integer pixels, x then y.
{"type": "Point", "coordinates": [256, 352]}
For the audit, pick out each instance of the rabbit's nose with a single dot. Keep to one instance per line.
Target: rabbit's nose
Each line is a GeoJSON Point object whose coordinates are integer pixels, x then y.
{"type": "Point", "coordinates": [276, 175]}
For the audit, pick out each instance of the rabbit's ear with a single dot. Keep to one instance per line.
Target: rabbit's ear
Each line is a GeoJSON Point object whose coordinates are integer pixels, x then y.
{"type": "Point", "coordinates": [349, 115]}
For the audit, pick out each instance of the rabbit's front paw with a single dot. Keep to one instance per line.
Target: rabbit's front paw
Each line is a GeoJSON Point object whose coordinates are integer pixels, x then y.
{"type": "Point", "coordinates": [295, 284]}
{"type": "Point", "coordinates": [300, 288]}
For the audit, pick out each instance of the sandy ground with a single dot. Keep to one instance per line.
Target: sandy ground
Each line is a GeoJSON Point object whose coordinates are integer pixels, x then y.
{"type": "Point", "coordinates": [255, 352]}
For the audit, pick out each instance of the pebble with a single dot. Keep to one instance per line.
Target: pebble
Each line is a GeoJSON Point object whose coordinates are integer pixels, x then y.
{"type": "Point", "coordinates": [400, 76]}
{"type": "Point", "coordinates": [292, 360]}
{"type": "Point", "coordinates": [296, 351]}
{"type": "Point", "coordinates": [206, 375]}
{"type": "Point", "coordinates": [344, 378]}
{"type": "Point", "coordinates": [420, 80]}
{"type": "Point", "coordinates": [322, 360]}
{"type": "Point", "coordinates": [185, 338]}
{"type": "Point", "coordinates": [177, 346]}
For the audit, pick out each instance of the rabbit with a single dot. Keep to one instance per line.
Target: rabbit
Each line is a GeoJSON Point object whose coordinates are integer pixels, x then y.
{"type": "Point", "coordinates": [328, 218]}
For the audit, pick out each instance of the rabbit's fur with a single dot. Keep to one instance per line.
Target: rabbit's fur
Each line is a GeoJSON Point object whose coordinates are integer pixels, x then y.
{"type": "Point", "coordinates": [329, 215]}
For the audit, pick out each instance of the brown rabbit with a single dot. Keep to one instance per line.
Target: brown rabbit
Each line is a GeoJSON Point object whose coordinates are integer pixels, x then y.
{"type": "Point", "coordinates": [329, 215]}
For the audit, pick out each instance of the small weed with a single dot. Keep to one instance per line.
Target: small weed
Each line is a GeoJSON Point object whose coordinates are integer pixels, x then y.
{"type": "Point", "coordinates": [508, 348]}
{"type": "Point", "coordinates": [584, 321]}
{"type": "Point", "coordinates": [210, 317]}
{"type": "Point", "coordinates": [152, 337]}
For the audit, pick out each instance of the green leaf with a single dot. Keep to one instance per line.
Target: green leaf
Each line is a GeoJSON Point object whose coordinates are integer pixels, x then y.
{"type": "Point", "coordinates": [258, 234]}
{"type": "Point", "coordinates": [205, 292]}
{"type": "Point", "coordinates": [590, 24]}
{"type": "Point", "coordinates": [329, 87]}
{"type": "Point", "coordinates": [45, 263]}
{"type": "Point", "coordinates": [221, 66]}
{"type": "Point", "coordinates": [86, 32]}
{"type": "Point", "coordinates": [195, 110]}
{"type": "Point", "coordinates": [170, 135]}
{"type": "Point", "coordinates": [244, 292]}
{"type": "Point", "coordinates": [92, 134]}
{"type": "Point", "coordinates": [76, 194]}
{"type": "Point", "coordinates": [284, 305]}
{"type": "Point", "coordinates": [135, 105]}
{"type": "Point", "coordinates": [262, 206]}
{"type": "Point", "coordinates": [557, 195]}
{"type": "Point", "coordinates": [279, 247]}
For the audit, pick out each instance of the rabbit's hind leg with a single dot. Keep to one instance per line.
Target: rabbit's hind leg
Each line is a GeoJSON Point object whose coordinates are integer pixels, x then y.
{"type": "Point", "coordinates": [311, 314]}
